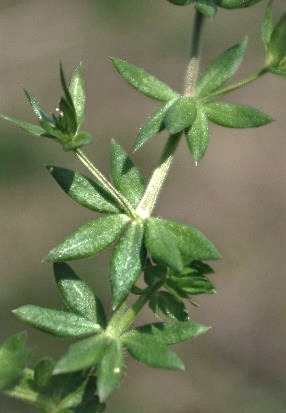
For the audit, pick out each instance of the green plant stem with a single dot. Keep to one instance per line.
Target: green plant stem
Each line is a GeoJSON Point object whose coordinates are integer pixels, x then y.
{"type": "Point", "coordinates": [104, 182]}
{"type": "Point", "coordinates": [241, 83]}
{"type": "Point", "coordinates": [158, 177]}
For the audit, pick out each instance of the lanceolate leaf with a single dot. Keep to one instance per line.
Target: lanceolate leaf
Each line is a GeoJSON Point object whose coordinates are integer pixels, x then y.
{"type": "Point", "coordinates": [221, 69]}
{"type": "Point", "coordinates": [125, 176]}
{"type": "Point", "coordinates": [57, 323]}
{"type": "Point", "coordinates": [153, 125]}
{"type": "Point", "coordinates": [26, 126]}
{"type": "Point", "coordinates": [13, 358]}
{"type": "Point", "coordinates": [181, 114]}
{"type": "Point", "coordinates": [169, 305]}
{"type": "Point", "coordinates": [148, 350]}
{"type": "Point", "coordinates": [110, 370]}
{"type": "Point", "coordinates": [41, 115]}
{"type": "Point", "coordinates": [84, 191]}
{"type": "Point", "coordinates": [76, 293]}
{"type": "Point", "coordinates": [277, 44]}
{"type": "Point", "coordinates": [191, 242]}
{"type": "Point", "coordinates": [174, 332]}
{"type": "Point", "coordinates": [236, 116]}
{"type": "Point", "coordinates": [89, 239]}
{"type": "Point", "coordinates": [191, 285]}
{"type": "Point", "coordinates": [126, 264]}
{"type": "Point", "coordinates": [267, 25]}
{"type": "Point", "coordinates": [198, 135]}
{"type": "Point", "coordinates": [236, 4]}
{"type": "Point", "coordinates": [77, 91]}
{"type": "Point", "coordinates": [143, 81]}
{"type": "Point", "coordinates": [162, 244]}
{"type": "Point", "coordinates": [82, 355]}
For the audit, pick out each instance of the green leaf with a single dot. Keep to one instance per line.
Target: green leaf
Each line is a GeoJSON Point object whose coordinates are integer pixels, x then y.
{"type": "Point", "coordinates": [148, 350]}
{"type": "Point", "coordinates": [43, 373]}
{"type": "Point", "coordinates": [110, 370]}
{"type": "Point", "coordinates": [126, 264]}
{"type": "Point", "coordinates": [200, 267]}
{"type": "Point", "coordinates": [153, 126]}
{"type": "Point", "coordinates": [26, 126]}
{"type": "Point", "coordinates": [236, 116]}
{"type": "Point", "coordinates": [280, 72]}
{"type": "Point", "coordinates": [72, 399]}
{"type": "Point", "coordinates": [221, 69]}
{"type": "Point", "coordinates": [57, 323]}
{"type": "Point", "coordinates": [181, 114]}
{"type": "Point", "coordinates": [277, 45]}
{"type": "Point", "coordinates": [236, 4]}
{"type": "Point", "coordinates": [162, 244]}
{"type": "Point", "coordinates": [41, 115]}
{"type": "Point", "coordinates": [207, 7]}
{"type": "Point", "coordinates": [125, 176]}
{"type": "Point", "coordinates": [69, 123]}
{"type": "Point", "coordinates": [173, 333]}
{"type": "Point", "coordinates": [267, 25]}
{"type": "Point", "coordinates": [76, 293]}
{"type": "Point", "coordinates": [67, 93]}
{"type": "Point", "coordinates": [89, 239]}
{"type": "Point", "coordinates": [153, 273]}
{"type": "Point", "coordinates": [13, 359]}
{"type": "Point", "coordinates": [191, 285]}
{"type": "Point", "coordinates": [181, 2]}
{"type": "Point", "coordinates": [84, 191]}
{"type": "Point", "coordinates": [169, 305]}
{"type": "Point", "coordinates": [82, 355]}
{"type": "Point", "coordinates": [77, 91]}
{"type": "Point", "coordinates": [143, 81]}
{"type": "Point", "coordinates": [198, 135]}
{"type": "Point", "coordinates": [82, 138]}
{"type": "Point", "coordinates": [191, 242]}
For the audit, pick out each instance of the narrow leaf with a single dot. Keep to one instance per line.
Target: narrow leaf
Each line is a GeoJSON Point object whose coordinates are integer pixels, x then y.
{"type": "Point", "coordinates": [277, 44]}
{"type": "Point", "coordinates": [76, 293]}
{"type": "Point", "coordinates": [84, 191]}
{"type": "Point", "coordinates": [65, 88]}
{"type": "Point", "coordinates": [57, 323]}
{"type": "Point", "coordinates": [169, 305]}
{"type": "Point", "coordinates": [148, 350]}
{"type": "Point", "coordinates": [41, 115]}
{"type": "Point", "coordinates": [175, 332]}
{"type": "Point", "coordinates": [143, 81]}
{"type": "Point", "coordinates": [89, 239]}
{"type": "Point", "coordinates": [236, 116]}
{"type": "Point", "coordinates": [162, 244]}
{"type": "Point", "coordinates": [82, 355]}
{"type": "Point", "coordinates": [198, 135]}
{"type": "Point", "coordinates": [13, 358]}
{"type": "Point", "coordinates": [267, 25]}
{"type": "Point", "coordinates": [110, 370]}
{"type": "Point", "coordinates": [221, 69]}
{"type": "Point", "coordinates": [191, 285]}
{"type": "Point", "coordinates": [73, 399]}
{"type": "Point", "coordinates": [191, 243]}
{"type": "Point", "coordinates": [236, 4]}
{"type": "Point", "coordinates": [153, 126]}
{"type": "Point", "coordinates": [181, 114]}
{"type": "Point", "coordinates": [26, 126]}
{"type": "Point", "coordinates": [125, 176]}
{"type": "Point", "coordinates": [126, 264]}
{"type": "Point", "coordinates": [77, 91]}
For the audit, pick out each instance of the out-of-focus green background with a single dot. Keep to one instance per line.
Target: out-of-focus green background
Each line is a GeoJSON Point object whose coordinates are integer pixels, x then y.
{"type": "Point", "coordinates": [236, 195]}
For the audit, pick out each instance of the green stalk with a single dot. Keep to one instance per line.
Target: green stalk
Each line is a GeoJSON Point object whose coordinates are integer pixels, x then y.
{"type": "Point", "coordinates": [105, 183]}
{"type": "Point", "coordinates": [158, 177]}
{"type": "Point", "coordinates": [241, 83]}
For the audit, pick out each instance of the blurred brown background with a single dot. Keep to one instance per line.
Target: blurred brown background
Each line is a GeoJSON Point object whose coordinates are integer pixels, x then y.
{"type": "Point", "coordinates": [236, 195]}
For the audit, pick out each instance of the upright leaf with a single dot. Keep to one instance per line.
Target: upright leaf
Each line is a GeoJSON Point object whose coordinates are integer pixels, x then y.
{"type": "Point", "coordinates": [13, 358]}
{"type": "Point", "coordinates": [162, 244]}
{"type": "Point", "coordinates": [82, 355]}
{"type": "Point", "coordinates": [148, 350]}
{"type": "Point", "coordinates": [89, 239]}
{"type": "Point", "coordinates": [181, 114]}
{"type": "Point", "coordinates": [221, 69]}
{"type": "Point", "coordinates": [126, 264]}
{"type": "Point", "coordinates": [110, 370]}
{"type": "Point", "coordinates": [277, 44]}
{"type": "Point", "coordinates": [125, 176]}
{"type": "Point", "coordinates": [236, 116]}
{"type": "Point", "coordinates": [153, 126]}
{"type": "Point", "coordinates": [198, 135]}
{"type": "Point", "coordinates": [76, 293]}
{"type": "Point", "coordinates": [57, 323]}
{"type": "Point", "coordinates": [77, 91]}
{"type": "Point", "coordinates": [143, 81]}
{"type": "Point", "coordinates": [174, 332]}
{"type": "Point", "coordinates": [267, 25]}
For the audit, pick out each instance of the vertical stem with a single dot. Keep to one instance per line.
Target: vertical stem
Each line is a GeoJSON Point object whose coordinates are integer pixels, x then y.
{"type": "Point", "coordinates": [149, 199]}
